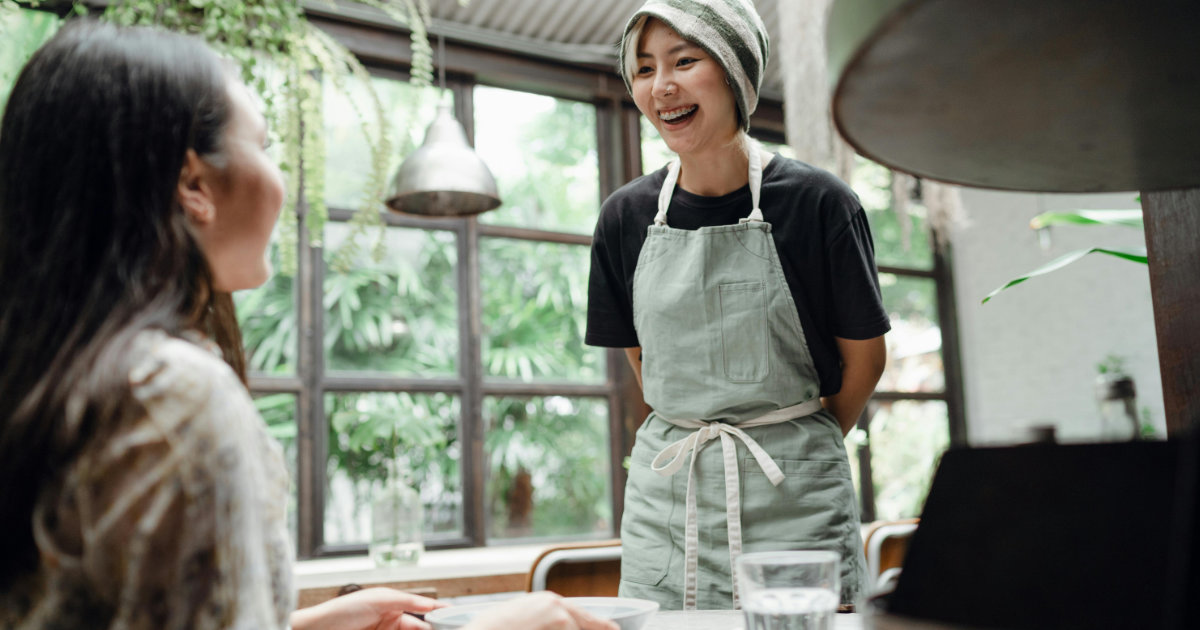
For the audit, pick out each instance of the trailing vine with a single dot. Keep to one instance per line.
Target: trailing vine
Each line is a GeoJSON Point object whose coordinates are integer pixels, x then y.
{"type": "Point", "coordinates": [283, 58]}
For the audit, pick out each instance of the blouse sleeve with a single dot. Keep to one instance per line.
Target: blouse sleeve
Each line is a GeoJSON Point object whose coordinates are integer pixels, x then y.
{"type": "Point", "coordinates": [181, 512]}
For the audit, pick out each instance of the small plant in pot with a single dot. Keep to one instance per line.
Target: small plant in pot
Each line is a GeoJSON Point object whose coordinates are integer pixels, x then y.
{"type": "Point", "coordinates": [1116, 395]}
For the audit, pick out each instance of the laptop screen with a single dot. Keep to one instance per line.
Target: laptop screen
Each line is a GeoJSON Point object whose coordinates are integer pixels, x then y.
{"type": "Point", "coordinates": [1051, 536]}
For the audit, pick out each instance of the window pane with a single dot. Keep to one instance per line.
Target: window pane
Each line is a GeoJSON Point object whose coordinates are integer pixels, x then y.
{"type": "Point", "coordinates": [655, 153]}
{"type": "Point", "coordinates": [267, 317]}
{"type": "Point", "coordinates": [398, 314]}
{"type": "Point", "coordinates": [542, 151]}
{"type": "Point", "coordinates": [873, 183]}
{"type": "Point", "coordinates": [417, 432]}
{"type": "Point", "coordinates": [548, 468]}
{"type": "Point", "coordinates": [534, 311]}
{"type": "Point", "coordinates": [907, 438]}
{"type": "Point", "coordinates": [24, 31]}
{"type": "Point", "coordinates": [915, 341]}
{"type": "Point", "coordinates": [409, 111]}
{"type": "Point", "coordinates": [279, 412]}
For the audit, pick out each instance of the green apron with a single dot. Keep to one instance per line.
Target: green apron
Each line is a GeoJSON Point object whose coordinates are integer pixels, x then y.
{"type": "Point", "coordinates": [724, 357]}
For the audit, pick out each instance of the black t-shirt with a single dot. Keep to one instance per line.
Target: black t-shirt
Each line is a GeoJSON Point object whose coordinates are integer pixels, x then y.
{"type": "Point", "coordinates": [820, 232]}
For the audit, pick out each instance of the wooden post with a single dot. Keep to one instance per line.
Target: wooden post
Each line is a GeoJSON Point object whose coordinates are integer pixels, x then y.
{"type": "Point", "coordinates": [1173, 243]}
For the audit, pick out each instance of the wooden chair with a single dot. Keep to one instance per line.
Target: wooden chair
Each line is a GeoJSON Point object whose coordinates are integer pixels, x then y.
{"type": "Point", "coordinates": [884, 545]}
{"type": "Point", "coordinates": [589, 569]}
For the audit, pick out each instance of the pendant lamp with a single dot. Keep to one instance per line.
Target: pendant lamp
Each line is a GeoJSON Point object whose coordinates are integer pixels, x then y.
{"type": "Point", "coordinates": [444, 177]}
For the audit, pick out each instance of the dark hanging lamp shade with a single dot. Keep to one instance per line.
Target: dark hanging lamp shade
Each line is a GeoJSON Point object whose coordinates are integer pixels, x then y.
{"type": "Point", "coordinates": [444, 177]}
{"type": "Point", "coordinates": [1041, 95]}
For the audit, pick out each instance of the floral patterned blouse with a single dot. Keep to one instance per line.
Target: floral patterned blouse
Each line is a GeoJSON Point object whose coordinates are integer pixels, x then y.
{"type": "Point", "coordinates": [177, 520]}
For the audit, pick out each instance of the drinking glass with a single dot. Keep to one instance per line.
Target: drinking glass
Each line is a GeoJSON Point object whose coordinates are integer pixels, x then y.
{"type": "Point", "coordinates": [789, 590]}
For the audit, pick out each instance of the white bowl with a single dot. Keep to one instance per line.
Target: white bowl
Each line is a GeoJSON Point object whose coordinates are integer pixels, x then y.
{"type": "Point", "coordinates": [629, 613]}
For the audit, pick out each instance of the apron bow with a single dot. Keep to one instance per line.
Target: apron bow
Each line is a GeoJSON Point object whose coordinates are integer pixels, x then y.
{"type": "Point", "coordinates": [671, 459]}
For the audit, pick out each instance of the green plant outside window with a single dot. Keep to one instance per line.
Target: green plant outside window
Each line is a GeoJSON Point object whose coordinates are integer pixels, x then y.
{"type": "Point", "coordinates": [534, 312]}
{"type": "Point", "coordinates": [419, 433]}
{"type": "Point", "coordinates": [398, 313]}
{"type": "Point", "coordinates": [548, 466]}
{"type": "Point", "coordinates": [542, 151]}
{"type": "Point", "coordinates": [279, 413]}
{"type": "Point", "coordinates": [267, 316]}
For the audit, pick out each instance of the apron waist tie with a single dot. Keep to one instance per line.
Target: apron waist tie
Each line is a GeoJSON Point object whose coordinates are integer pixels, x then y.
{"type": "Point", "coordinates": [671, 459]}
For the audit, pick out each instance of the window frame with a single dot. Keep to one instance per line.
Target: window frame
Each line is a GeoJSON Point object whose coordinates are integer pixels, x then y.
{"type": "Point", "coordinates": [312, 383]}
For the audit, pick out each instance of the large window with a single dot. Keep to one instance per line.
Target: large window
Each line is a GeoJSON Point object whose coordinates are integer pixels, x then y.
{"type": "Point", "coordinates": [449, 349]}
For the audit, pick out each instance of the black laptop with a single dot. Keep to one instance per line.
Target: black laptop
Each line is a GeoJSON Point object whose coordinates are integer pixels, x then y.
{"type": "Point", "coordinates": [1058, 536]}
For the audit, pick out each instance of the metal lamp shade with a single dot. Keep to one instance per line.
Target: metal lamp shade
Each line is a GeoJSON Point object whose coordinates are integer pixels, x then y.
{"type": "Point", "coordinates": [444, 176]}
{"type": "Point", "coordinates": [1038, 95]}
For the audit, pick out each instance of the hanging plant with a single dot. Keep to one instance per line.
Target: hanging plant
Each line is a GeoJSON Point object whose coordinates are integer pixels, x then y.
{"type": "Point", "coordinates": [283, 57]}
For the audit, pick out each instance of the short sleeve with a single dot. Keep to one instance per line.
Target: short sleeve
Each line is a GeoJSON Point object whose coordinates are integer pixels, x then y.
{"type": "Point", "coordinates": [858, 311]}
{"type": "Point", "coordinates": [610, 304]}
{"type": "Point", "coordinates": [180, 511]}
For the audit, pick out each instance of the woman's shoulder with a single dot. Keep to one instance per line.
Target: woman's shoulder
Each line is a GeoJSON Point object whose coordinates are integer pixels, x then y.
{"type": "Point", "coordinates": [631, 207]}
{"type": "Point", "coordinates": [826, 198]}
{"type": "Point", "coordinates": [174, 377]}
{"type": "Point", "coordinates": [790, 171]}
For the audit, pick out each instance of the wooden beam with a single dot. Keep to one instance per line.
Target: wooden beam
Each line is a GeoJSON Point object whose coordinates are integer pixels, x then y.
{"type": "Point", "coordinates": [1172, 230]}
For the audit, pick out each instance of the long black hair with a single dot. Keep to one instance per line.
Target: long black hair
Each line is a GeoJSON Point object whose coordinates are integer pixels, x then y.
{"type": "Point", "coordinates": [94, 246]}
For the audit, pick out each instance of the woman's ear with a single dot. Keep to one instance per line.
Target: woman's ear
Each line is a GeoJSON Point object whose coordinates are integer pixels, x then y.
{"type": "Point", "coordinates": [195, 190]}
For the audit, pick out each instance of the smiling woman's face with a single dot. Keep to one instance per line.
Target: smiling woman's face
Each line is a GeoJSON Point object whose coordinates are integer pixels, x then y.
{"type": "Point", "coordinates": [682, 90]}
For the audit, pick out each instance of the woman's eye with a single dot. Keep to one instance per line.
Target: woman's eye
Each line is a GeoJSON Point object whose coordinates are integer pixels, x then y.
{"type": "Point", "coordinates": [645, 70]}
{"type": "Point", "coordinates": [686, 61]}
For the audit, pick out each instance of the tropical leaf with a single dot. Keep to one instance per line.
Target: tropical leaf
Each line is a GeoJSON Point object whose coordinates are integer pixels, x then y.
{"type": "Point", "coordinates": [1127, 218]}
{"type": "Point", "coordinates": [1134, 254]}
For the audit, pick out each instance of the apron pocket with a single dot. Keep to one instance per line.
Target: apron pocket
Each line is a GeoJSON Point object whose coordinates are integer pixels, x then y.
{"type": "Point", "coordinates": [812, 508]}
{"type": "Point", "coordinates": [646, 543]}
{"type": "Point", "coordinates": [744, 331]}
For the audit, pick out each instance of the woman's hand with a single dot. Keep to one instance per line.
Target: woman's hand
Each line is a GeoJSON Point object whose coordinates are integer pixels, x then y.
{"type": "Point", "coordinates": [368, 609]}
{"type": "Point", "coordinates": [539, 611]}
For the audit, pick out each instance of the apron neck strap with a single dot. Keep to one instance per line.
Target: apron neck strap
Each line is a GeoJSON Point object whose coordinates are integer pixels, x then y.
{"type": "Point", "coordinates": [664, 193]}
{"type": "Point", "coordinates": [668, 187]}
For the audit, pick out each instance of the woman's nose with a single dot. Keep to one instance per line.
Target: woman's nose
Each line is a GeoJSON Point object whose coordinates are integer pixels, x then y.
{"type": "Point", "coordinates": [664, 84]}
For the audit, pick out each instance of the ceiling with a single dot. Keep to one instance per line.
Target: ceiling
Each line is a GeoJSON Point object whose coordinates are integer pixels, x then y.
{"type": "Point", "coordinates": [570, 31]}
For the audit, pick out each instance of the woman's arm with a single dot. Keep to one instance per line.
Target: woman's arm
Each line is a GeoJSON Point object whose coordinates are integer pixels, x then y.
{"type": "Point", "coordinates": [635, 361]}
{"type": "Point", "coordinates": [384, 608]}
{"type": "Point", "coordinates": [368, 609]}
{"type": "Point", "coordinates": [862, 365]}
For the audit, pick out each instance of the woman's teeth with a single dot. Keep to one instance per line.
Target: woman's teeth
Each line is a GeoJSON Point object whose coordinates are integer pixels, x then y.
{"type": "Point", "coordinates": [675, 114]}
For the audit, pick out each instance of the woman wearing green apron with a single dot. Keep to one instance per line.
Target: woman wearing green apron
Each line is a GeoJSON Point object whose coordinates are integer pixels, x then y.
{"type": "Point", "coordinates": [743, 286]}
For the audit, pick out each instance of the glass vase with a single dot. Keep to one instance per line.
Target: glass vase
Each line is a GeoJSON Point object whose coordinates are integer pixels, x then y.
{"type": "Point", "coordinates": [397, 524]}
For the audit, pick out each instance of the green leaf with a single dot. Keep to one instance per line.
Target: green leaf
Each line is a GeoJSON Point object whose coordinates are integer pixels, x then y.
{"type": "Point", "coordinates": [282, 431]}
{"type": "Point", "coordinates": [1134, 254]}
{"type": "Point", "coordinates": [1127, 218]}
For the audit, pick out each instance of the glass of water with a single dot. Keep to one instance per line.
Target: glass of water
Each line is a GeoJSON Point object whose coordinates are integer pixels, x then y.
{"type": "Point", "coordinates": [789, 590]}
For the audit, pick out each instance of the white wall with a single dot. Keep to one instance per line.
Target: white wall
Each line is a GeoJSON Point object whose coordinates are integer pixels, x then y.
{"type": "Point", "coordinates": [1030, 354]}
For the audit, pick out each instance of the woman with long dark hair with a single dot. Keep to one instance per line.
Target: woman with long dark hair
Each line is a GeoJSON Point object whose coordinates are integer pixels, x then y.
{"type": "Point", "coordinates": [138, 485]}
